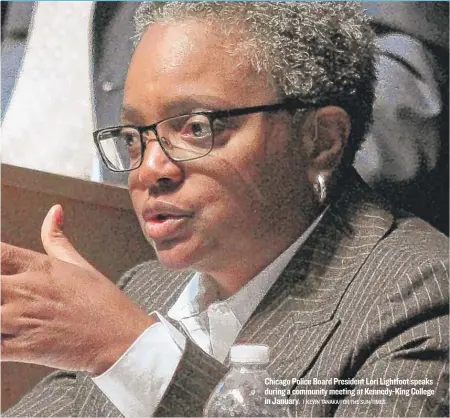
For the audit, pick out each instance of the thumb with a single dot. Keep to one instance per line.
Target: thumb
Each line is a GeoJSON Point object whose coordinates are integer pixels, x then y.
{"type": "Point", "coordinates": [56, 243]}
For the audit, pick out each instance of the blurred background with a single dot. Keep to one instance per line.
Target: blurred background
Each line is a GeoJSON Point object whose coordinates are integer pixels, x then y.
{"type": "Point", "coordinates": [64, 65]}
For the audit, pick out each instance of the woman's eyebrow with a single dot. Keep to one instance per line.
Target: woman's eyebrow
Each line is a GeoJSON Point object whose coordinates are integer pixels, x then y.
{"type": "Point", "coordinates": [195, 102]}
{"type": "Point", "coordinates": [129, 113]}
{"type": "Point", "coordinates": [175, 107]}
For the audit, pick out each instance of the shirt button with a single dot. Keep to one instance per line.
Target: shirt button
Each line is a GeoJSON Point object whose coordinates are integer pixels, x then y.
{"type": "Point", "coordinates": [107, 86]}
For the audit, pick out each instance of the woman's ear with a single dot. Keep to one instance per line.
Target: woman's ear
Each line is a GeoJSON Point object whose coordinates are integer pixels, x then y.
{"type": "Point", "coordinates": [329, 132]}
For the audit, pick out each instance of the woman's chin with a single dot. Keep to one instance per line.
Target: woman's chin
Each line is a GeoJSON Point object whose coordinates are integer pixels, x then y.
{"type": "Point", "coordinates": [177, 257]}
{"type": "Point", "coordinates": [192, 251]}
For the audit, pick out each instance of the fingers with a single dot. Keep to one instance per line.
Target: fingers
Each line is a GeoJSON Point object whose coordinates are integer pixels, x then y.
{"type": "Point", "coordinates": [10, 319]}
{"type": "Point", "coordinates": [20, 316]}
{"type": "Point", "coordinates": [15, 301]}
{"type": "Point", "coordinates": [16, 289]}
{"type": "Point", "coordinates": [21, 348]}
{"type": "Point", "coordinates": [15, 348]}
{"type": "Point", "coordinates": [16, 323]}
{"type": "Point", "coordinates": [56, 243]}
{"type": "Point", "coordinates": [7, 346]}
{"type": "Point", "coordinates": [15, 259]}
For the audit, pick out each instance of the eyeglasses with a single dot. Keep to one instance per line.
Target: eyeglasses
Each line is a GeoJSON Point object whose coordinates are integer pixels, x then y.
{"type": "Point", "coordinates": [182, 138]}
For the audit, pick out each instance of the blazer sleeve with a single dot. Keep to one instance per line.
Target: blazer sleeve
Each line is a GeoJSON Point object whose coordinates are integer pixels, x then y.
{"type": "Point", "coordinates": [195, 378]}
{"type": "Point", "coordinates": [405, 338]}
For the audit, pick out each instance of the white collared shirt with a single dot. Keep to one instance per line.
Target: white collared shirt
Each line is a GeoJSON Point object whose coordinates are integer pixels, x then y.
{"type": "Point", "coordinates": [136, 383]}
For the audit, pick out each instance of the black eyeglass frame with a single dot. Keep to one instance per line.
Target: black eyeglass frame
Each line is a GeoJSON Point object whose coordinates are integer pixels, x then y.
{"type": "Point", "coordinates": [289, 105]}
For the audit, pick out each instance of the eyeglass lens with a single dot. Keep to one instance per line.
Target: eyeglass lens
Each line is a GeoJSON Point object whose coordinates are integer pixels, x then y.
{"type": "Point", "coordinates": [182, 138]}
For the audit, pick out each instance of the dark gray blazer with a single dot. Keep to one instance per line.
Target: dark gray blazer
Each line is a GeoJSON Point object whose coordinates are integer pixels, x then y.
{"type": "Point", "coordinates": [365, 297]}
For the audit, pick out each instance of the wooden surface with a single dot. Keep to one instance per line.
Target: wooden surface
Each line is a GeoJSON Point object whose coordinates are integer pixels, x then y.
{"type": "Point", "coordinates": [99, 221]}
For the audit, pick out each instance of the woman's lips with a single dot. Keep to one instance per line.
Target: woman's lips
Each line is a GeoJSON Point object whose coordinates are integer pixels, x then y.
{"type": "Point", "coordinates": [163, 220]}
{"type": "Point", "coordinates": [163, 227]}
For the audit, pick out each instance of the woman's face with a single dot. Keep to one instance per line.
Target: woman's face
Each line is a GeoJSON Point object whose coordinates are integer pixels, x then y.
{"type": "Point", "coordinates": [239, 206]}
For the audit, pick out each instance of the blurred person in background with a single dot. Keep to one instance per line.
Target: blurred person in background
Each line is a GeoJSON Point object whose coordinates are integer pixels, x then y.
{"type": "Point", "coordinates": [405, 155]}
{"type": "Point", "coordinates": [73, 51]}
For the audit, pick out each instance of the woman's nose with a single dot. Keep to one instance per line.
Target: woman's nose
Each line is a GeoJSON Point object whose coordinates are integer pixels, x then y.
{"type": "Point", "coordinates": [157, 169]}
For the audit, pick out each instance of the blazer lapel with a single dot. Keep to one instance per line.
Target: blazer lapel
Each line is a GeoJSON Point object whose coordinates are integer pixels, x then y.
{"type": "Point", "coordinates": [299, 313]}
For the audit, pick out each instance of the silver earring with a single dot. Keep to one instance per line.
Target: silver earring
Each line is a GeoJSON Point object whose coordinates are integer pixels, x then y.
{"type": "Point", "coordinates": [320, 188]}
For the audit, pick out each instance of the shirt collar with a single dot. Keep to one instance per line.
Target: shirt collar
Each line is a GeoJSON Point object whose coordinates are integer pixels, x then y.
{"type": "Point", "coordinates": [201, 291]}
